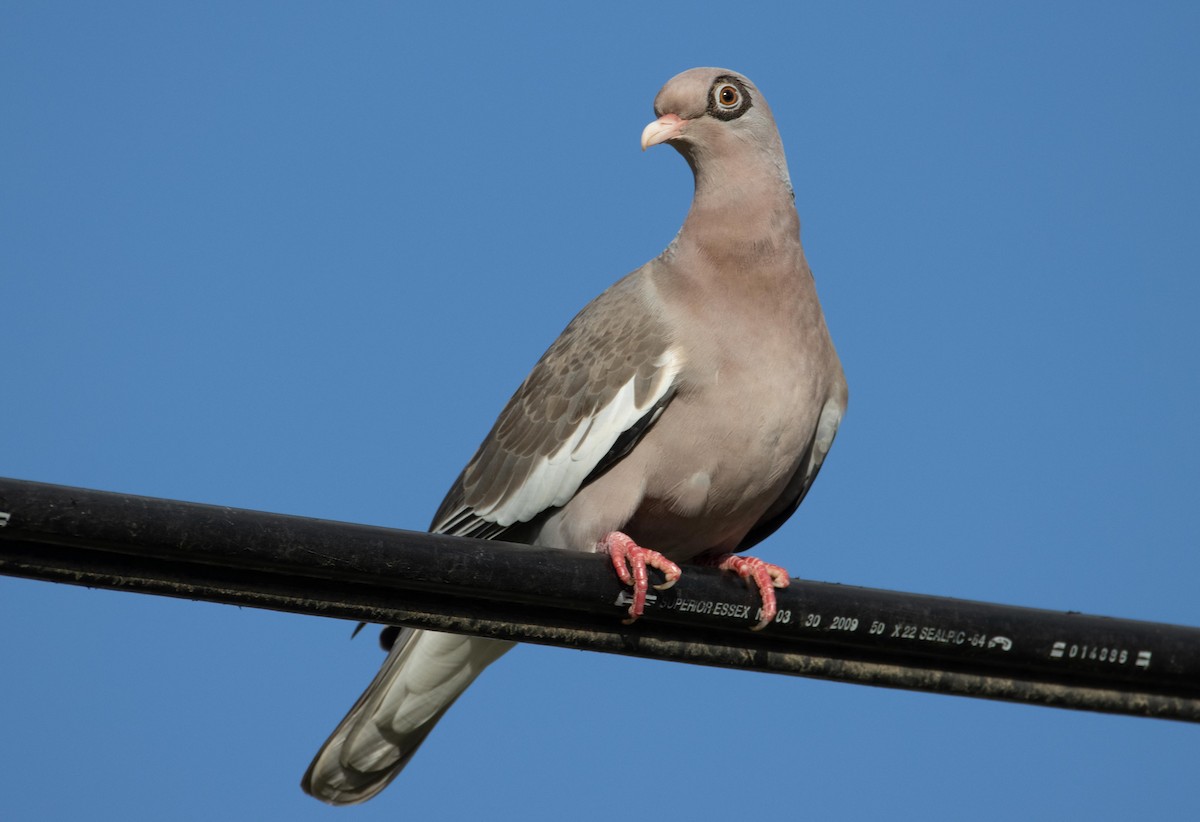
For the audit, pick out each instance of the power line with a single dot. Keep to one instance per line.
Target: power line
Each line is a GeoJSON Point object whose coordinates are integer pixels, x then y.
{"type": "Point", "coordinates": [287, 563]}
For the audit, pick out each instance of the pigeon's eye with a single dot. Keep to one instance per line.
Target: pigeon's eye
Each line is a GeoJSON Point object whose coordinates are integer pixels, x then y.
{"type": "Point", "coordinates": [729, 99]}
{"type": "Point", "coordinates": [728, 96]}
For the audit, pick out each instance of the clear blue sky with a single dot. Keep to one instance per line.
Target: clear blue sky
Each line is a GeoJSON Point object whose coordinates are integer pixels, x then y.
{"type": "Point", "coordinates": [295, 256]}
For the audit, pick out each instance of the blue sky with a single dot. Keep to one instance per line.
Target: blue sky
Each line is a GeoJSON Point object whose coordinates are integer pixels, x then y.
{"type": "Point", "coordinates": [295, 256]}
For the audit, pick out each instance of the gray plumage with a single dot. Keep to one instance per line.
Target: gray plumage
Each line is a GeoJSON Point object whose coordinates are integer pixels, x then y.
{"type": "Point", "coordinates": [689, 406]}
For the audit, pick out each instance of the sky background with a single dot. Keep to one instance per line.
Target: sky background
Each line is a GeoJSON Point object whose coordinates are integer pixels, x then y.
{"type": "Point", "coordinates": [294, 257]}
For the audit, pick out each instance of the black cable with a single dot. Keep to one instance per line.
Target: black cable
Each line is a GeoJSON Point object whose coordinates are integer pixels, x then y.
{"type": "Point", "coordinates": [287, 563]}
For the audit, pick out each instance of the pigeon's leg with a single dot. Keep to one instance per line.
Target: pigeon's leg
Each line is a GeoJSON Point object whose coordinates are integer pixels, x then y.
{"type": "Point", "coordinates": [630, 561]}
{"type": "Point", "coordinates": [765, 576]}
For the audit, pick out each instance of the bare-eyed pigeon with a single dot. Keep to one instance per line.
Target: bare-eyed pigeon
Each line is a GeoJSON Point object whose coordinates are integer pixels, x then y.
{"type": "Point", "coordinates": [687, 409]}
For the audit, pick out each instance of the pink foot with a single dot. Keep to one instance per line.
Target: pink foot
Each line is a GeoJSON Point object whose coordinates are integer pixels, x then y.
{"type": "Point", "coordinates": [630, 561]}
{"type": "Point", "coordinates": [766, 577]}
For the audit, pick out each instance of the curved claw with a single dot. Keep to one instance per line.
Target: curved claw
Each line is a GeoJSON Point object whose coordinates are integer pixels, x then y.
{"type": "Point", "coordinates": [630, 561]}
{"type": "Point", "coordinates": [766, 578]}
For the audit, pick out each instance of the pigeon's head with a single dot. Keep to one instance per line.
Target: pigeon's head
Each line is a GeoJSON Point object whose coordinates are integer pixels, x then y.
{"type": "Point", "coordinates": [716, 117]}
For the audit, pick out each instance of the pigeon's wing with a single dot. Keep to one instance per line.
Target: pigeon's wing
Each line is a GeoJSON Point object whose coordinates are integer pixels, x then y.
{"type": "Point", "coordinates": [587, 402]}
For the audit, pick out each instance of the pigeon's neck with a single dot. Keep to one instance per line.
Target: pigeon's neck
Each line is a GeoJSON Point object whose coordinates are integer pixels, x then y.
{"type": "Point", "coordinates": [742, 183]}
{"type": "Point", "coordinates": [743, 198]}
{"type": "Point", "coordinates": [751, 209]}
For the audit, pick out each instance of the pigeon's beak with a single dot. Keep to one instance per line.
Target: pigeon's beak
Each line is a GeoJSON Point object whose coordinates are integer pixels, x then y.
{"type": "Point", "coordinates": [667, 127]}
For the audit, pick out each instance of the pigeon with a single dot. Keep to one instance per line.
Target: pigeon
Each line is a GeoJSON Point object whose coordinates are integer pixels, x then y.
{"type": "Point", "coordinates": [680, 417]}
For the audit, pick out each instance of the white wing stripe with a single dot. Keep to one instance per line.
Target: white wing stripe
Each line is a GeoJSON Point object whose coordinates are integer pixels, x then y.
{"type": "Point", "coordinates": [556, 478]}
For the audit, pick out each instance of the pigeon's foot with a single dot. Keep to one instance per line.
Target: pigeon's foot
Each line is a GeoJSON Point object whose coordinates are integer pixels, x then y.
{"type": "Point", "coordinates": [631, 560]}
{"type": "Point", "coordinates": [765, 576]}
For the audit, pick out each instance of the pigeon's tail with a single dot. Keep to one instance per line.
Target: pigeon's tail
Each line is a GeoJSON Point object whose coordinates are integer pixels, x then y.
{"type": "Point", "coordinates": [423, 675]}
